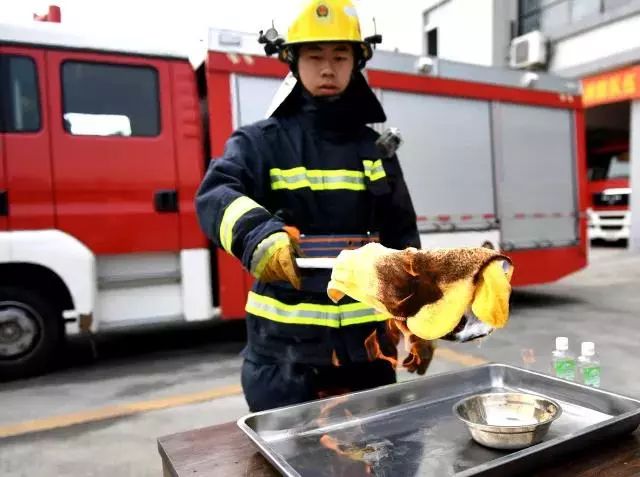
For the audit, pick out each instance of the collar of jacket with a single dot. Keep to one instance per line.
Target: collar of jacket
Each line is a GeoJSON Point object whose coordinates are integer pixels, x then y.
{"type": "Point", "coordinates": [356, 107]}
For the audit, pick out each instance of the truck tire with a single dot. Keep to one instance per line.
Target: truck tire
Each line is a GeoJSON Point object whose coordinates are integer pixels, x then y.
{"type": "Point", "coordinates": [31, 332]}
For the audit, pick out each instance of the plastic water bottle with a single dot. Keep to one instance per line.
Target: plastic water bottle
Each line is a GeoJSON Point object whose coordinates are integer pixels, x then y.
{"type": "Point", "coordinates": [563, 363]}
{"type": "Point", "coordinates": [589, 365]}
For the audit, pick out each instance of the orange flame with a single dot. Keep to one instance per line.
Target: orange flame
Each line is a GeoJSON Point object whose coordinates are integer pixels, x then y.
{"type": "Point", "coordinates": [334, 359]}
{"type": "Point", "coordinates": [374, 352]}
{"type": "Point", "coordinates": [412, 344]}
{"type": "Point", "coordinates": [332, 444]}
{"type": "Point", "coordinates": [322, 419]}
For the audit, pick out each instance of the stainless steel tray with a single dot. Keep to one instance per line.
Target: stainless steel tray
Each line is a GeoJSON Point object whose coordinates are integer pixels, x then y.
{"type": "Point", "coordinates": [408, 429]}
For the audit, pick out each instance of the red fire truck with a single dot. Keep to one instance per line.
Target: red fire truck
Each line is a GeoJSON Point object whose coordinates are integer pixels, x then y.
{"type": "Point", "coordinates": [609, 189]}
{"type": "Point", "coordinates": [104, 140]}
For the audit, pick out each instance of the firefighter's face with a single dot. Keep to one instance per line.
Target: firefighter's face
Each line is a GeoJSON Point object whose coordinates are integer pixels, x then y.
{"type": "Point", "coordinates": [325, 68]}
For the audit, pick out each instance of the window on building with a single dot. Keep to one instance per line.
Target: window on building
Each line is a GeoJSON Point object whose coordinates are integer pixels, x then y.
{"type": "Point", "coordinates": [549, 15]}
{"type": "Point", "coordinates": [555, 15]}
{"type": "Point", "coordinates": [585, 9]}
{"type": "Point", "coordinates": [526, 7]}
{"type": "Point", "coordinates": [19, 99]}
{"type": "Point", "coordinates": [528, 23]}
{"type": "Point", "coordinates": [110, 100]}
{"type": "Point", "coordinates": [432, 42]}
{"type": "Point", "coordinates": [609, 5]}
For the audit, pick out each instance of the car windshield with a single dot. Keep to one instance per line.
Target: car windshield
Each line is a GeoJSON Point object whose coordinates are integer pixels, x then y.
{"type": "Point", "coordinates": [609, 166]}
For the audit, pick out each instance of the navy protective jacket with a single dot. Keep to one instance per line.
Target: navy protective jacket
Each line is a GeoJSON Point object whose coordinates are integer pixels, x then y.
{"type": "Point", "coordinates": [313, 165]}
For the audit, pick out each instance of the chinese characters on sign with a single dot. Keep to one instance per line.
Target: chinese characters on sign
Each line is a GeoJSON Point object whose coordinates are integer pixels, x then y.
{"type": "Point", "coordinates": [611, 87]}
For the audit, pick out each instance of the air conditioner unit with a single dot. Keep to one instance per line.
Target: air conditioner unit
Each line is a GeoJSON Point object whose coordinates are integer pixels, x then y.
{"type": "Point", "coordinates": [528, 50]}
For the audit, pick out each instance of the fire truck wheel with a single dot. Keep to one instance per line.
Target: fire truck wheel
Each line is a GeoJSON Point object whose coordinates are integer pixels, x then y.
{"type": "Point", "coordinates": [30, 332]}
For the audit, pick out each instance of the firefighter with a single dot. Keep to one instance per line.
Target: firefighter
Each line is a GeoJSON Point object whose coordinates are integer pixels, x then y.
{"type": "Point", "coordinates": [310, 176]}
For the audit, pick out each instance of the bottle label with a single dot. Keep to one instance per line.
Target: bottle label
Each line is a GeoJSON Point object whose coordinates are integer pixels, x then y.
{"type": "Point", "coordinates": [565, 369]}
{"type": "Point", "coordinates": [591, 376]}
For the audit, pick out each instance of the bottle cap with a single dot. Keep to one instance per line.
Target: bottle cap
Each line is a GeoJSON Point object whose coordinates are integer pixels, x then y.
{"type": "Point", "coordinates": [588, 348]}
{"type": "Point", "coordinates": [562, 343]}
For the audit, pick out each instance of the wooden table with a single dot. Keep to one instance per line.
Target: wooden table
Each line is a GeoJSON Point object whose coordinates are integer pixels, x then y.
{"type": "Point", "coordinates": [225, 451]}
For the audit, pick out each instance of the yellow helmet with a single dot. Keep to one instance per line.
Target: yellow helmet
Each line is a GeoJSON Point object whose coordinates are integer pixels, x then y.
{"type": "Point", "coordinates": [323, 21]}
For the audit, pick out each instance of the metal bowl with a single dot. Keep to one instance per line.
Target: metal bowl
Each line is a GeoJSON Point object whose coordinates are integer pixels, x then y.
{"type": "Point", "coordinates": [507, 420]}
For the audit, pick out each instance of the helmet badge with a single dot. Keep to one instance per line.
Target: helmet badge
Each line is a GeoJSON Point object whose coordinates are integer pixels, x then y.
{"type": "Point", "coordinates": [322, 11]}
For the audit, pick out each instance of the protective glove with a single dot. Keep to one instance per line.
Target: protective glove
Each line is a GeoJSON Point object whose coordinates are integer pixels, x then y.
{"type": "Point", "coordinates": [420, 352]}
{"type": "Point", "coordinates": [419, 359]}
{"type": "Point", "coordinates": [275, 260]}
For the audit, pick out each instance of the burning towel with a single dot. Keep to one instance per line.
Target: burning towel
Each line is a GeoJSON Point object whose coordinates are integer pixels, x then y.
{"type": "Point", "coordinates": [433, 290]}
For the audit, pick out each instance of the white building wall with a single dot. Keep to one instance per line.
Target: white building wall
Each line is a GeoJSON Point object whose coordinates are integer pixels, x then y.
{"type": "Point", "coordinates": [465, 30]}
{"type": "Point", "coordinates": [596, 45]}
{"type": "Point", "coordinates": [479, 31]}
{"type": "Point", "coordinates": [399, 22]}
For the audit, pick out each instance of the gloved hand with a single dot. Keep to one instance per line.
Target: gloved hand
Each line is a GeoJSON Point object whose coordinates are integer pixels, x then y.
{"type": "Point", "coordinates": [275, 260]}
{"type": "Point", "coordinates": [420, 351]}
{"type": "Point", "coordinates": [294, 233]}
{"type": "Point", "coordinates": [420, 357]}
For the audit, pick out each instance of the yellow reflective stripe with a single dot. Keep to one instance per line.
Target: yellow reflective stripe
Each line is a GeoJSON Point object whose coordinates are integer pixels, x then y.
{"type": "Point", "coordinates": [296, 171]}
{"type": "Point", "coordinates": [365, 319]}
{"type": "Point", "coordinates": [299, 171]}
{"type": "Point", "coordinates": [377, 176]}
{"type": "Point", "coordinates": [316, 179]}
{"type": "Point", "coordinates": [333, 316]}
{"type": "Point", "coordinates": [234, 211]}
{"type": "Point", "coordinates": [274, 316]}
{"type": "Point", "coordinates": [311, 307]}
{"type": "Point", "coordinates": [300, 314]}
{"type": "Point", "coordinates": [374, 170]}
{"type": "Point", "coordinates": [265, 250]}
{"type": "Point", "coordinates": [305, 183]}
{"type": "Point", "coordinates": [352, 307]}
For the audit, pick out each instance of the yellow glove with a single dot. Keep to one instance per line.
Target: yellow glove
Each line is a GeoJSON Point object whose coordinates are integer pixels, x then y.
{"type": "Point", "coordinates": [275, 260]}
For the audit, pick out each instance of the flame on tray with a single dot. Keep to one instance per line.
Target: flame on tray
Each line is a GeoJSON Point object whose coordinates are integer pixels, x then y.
{"type": "Point", "coordinates": [350, 452]}
{"type": "Point", "coordinates": [397, 330]}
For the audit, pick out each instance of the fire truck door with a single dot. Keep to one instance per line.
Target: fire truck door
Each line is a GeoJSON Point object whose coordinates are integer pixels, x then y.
{"type": "Point", "coordinates": [26, 200]}
{"type": "Point", "coordinates": [113, 151]}
{"type": "Point", "coordinates": [535, 176]}
{"type": "Point", "coordinates": [446, 159]}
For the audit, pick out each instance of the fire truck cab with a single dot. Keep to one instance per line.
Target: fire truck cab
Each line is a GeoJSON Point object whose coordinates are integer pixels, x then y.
{"type": "Point", "coordinates": [104, 141]}
{"type": "Point", "coordinates": [609, 190]}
